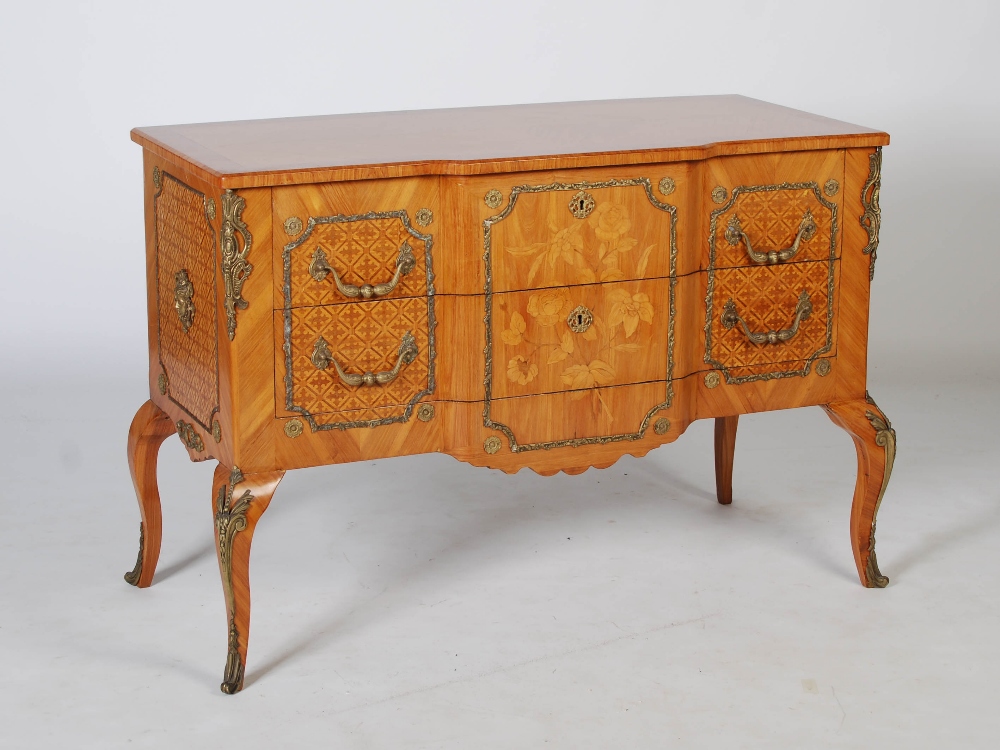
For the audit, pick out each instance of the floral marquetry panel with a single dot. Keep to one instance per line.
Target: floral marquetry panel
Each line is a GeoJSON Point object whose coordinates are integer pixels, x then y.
{"type": "Point", "coordinates": [769, 299]}
{"type": "Point", "coordinates": [362, 337]}
{"type": "Point", "coordinates": [361, 251]}
{"type": "Point", "coordinates": [186, 298]}
{"type": "Point", "coordinates": [556, 237]}
{"type": "Point", "coordinates": [580, 338]}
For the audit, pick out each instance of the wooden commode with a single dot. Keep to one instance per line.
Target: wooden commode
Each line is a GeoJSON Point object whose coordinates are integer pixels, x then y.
{"type": "Point", "coordinates": [547, 286]}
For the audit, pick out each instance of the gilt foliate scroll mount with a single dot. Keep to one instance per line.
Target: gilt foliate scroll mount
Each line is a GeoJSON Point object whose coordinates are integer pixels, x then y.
{"type": "Point", "coordinates": [235, 267]}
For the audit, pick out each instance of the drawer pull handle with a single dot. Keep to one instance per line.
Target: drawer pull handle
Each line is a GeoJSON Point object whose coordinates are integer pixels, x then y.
{"type": "Point", "coordinates": [735, 233]}
{"type": "Point", "coordinates": [322, 358]}
{"type": "Point", "coordinates": [802, 312]}
{"type": "Point", "coordinates": [320, 267]}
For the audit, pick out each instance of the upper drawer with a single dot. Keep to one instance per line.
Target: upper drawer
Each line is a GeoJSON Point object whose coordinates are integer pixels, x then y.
{"type": "Point", "coordinates": [771, 209]}
{"type": "Point", "coordinates": [556, 234]}
{"type": "Point", "coordinates": [344, 242]}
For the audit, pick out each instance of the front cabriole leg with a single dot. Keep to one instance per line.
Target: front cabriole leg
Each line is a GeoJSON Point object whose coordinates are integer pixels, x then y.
{"type": "Point", "coordinates": [875, 441]}
{"type": "Point", "coordinates": [238, 503]}
{"type": "Point", "coordinates": [149, 428]}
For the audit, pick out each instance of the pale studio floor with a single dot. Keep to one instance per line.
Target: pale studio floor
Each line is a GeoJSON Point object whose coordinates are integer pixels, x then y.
{"type": "Point", "coordinates": [423, 603]}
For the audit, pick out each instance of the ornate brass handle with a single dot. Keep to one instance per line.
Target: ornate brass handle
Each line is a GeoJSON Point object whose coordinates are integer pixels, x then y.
{"type": "Point", "coordinates": [802, 312]}
{"type": "Point", "coordinates": [322, 358]}
{"type": "Point", "coordinates": [735, 233]}
{"type": "Point", "coordinates": [320, 267]}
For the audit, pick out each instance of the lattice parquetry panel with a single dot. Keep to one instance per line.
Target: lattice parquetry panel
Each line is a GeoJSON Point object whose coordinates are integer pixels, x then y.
{"type": "Point", "coordinates": [362, 252]}
{"type": "Point", "coordinates": [771, 220]}
{"type": "Point", "coordinates": [362, 336]}
{"type": "Point", "coordinates": [765, 298]}
{"type": "Point", "coordinates": [185, 240]}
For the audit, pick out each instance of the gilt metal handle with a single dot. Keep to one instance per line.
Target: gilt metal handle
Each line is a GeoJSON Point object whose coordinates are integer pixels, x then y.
{"type": "Point", "coordinates": [802, 312]}
{"type": "Point", "coordinates": [735, 233]}
{"type": "Point", "coordinates": [320, 267]}
{"type": "Point", "coordinates": [322, 358]}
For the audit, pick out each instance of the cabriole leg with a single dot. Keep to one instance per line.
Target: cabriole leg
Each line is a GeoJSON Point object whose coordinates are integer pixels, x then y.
{"type": "Point", "coordinates": [875, 441]}
{"type": "Point", "coordinates": [725, 447]}
{"type": "Point", "coordinates": [150, 427]}
{"type": "Point", "coordinates": [238, 502]}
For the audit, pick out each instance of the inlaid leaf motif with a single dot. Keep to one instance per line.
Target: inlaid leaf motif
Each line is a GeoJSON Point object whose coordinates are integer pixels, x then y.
{"type": "Point", "coordinates": [612, 274]}
{"type": "Point", "coordinates": [512, 336]}
{"type": "Point", "coordinates": [640, 269]}
{"type": "Point", "coordinates": [595, 373]}
{"type": "Point", "coordinates": [565, 348]}
{"type": "Point", "coordinates": [567, 344]}
{"type": "Point", "coordinates": [535, 266]}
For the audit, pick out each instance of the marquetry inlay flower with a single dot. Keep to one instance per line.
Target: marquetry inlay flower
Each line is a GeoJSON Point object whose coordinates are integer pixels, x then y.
{"type": "Point", "coordinates": [627, 310]}
{"type": "Point", "coordinates": [610, 222]}
{"type": "Point", "coordinates": [550, 306]}
{"type": "Point", "coordinates": [521, 371]}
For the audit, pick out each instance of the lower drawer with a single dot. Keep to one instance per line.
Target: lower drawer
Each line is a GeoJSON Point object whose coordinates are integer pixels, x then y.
{"type": "Point", "coordinates": [593, 416]}
{"type": "Point", "coordinates": [769, 320]}
{"type": "Point", "coordinates": [354, 365]}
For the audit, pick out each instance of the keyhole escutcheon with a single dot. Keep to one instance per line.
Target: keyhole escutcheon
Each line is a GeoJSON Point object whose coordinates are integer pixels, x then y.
{"type": "Point", "coordinates": [580, 319]}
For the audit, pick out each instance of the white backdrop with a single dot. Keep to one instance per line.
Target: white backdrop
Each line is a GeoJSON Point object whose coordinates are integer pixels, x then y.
{"type": "Point", "coordinates": [619, 608]}
{"type": "Point", "coordinates": [77, 76]}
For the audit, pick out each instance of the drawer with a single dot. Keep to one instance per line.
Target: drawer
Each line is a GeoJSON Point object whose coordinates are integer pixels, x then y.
{"type": "Point", "coordinates": [773, 209]}
{"type": "Point", "coordinates": [579, 338]}
{"type": "Point", "coordinates": [583, 232]}
{"type": "Point", "coordinates": [354, 365]}
{"type": "Point", "coordinates": [564, 420]}
{"type": "Point", "coordinates": [354, 241]}
{"type": "Point", "coordinates": [770, 321]}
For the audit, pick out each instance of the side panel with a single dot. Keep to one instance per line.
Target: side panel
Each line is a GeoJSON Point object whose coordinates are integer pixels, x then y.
{"type": "Point", "coordinates": [187, 368]}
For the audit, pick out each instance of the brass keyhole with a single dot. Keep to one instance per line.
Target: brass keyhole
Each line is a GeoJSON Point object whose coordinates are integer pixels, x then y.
{"type": "Point", "coordinates": [581, 204]}
{"type": "Point", "coordinates": [580, 319]}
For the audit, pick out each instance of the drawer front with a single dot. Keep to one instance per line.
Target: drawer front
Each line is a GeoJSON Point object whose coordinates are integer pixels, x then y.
{"type": "Point", "coordinates": [580, 338]}
{"type": "Point", "coordinates": [771, 224]}
{"type": "Point", "coordinates": [186, 298]}
{"type": "Point", "coordinates": [355, 241]}
{"type": "Point", "coordinates": [356, 365]}
{"type": "Point", "coordinates": [770, 321]}
{"type": "Point", "coordinates": [773, 209]}
{"type": "Point", "coordinates": [567, 420]}
{"type": "Point", "coordinates": [578, 233]}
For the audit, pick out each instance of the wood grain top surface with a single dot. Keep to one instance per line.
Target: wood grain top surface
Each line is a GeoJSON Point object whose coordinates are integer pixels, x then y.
{"type": "Point", "coordinates": [485, 140]}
